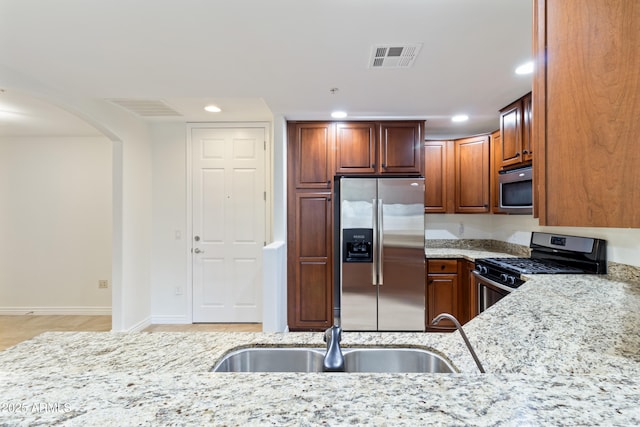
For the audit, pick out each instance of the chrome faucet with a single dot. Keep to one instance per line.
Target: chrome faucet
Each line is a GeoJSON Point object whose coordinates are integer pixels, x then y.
{"type": "Point", "coordinates": [333, 358]}
{"type": "Point", "coordinates": [441, 316]}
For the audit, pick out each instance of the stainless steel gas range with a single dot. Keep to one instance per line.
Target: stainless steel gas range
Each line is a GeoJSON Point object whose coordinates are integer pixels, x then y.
{"type": "Point", "coordinates": [550, 254]}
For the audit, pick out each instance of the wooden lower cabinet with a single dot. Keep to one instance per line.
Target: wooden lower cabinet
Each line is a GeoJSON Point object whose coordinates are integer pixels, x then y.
{"type": "Point", "coordinates": [442, 292]}
{"type": "Point", "coordinates": [310, 253]}
{"type": "Point", "coordinates": [468, 296]}
{"type": "Point", "coordinates": [448, 291]}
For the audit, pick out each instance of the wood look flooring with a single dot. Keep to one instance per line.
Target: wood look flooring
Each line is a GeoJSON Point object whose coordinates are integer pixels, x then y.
{"type": "Point", "coordinates": [17, 328]}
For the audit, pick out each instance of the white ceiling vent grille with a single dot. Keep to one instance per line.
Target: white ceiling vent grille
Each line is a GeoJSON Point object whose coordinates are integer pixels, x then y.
{"type": "Point", "coordinates": [394, 55]}
{"type": "Point", "coordinates": [146, 107]}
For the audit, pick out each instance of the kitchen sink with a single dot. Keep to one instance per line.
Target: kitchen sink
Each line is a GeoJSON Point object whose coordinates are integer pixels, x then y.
{"type": "Point", "coordinates": [304, 359]}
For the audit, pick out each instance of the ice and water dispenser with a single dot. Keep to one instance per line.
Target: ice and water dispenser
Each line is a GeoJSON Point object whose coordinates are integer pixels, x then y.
{"type": "Point", "coordinates": [357, 245]}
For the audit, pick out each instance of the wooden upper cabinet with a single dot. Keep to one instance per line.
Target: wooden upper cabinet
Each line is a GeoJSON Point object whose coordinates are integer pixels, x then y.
{"type": "Point", "coordinates": [511, 134]}
{"type": "Point", "coordinates": [472, 174]}
{"type": "Point", "coordinates": [527, 147]}
{"type": "Point", "coordinates": [378, 148]}
{"type": "Point", "coordinates": [585, 112]}
{"type": "Point", "coordinates": [495, 155]}
{"type": "Point", "coordinates": [439, 179]}
{"type": "Point", "coordinates": [356, 148]}
{"type": "Point", "coordinates": [400, 148]}
{"type": "Point", "coordinates": [312, 154]}
{"type": "Point", "coordinates": [515, 133]}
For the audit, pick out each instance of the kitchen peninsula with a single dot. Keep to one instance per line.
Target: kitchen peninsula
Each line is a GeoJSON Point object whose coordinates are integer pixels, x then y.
{"type": "Point", "coordinates": [560, 350]}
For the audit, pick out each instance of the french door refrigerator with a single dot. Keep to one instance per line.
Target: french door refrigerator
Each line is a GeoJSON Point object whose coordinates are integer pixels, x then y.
{"type": "Point", "coordinates": [380, 241]}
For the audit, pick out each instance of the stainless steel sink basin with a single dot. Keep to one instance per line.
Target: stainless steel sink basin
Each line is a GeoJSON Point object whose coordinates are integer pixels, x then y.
{"type": "Point", "coordinates": [394, 360]}
{"type": "Point", "coordinates": [272, 359]}
{"type": "Point", "coordinates": [304, 359]}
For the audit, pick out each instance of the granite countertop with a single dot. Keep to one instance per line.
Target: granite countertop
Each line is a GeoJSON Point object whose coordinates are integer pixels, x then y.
{"type": "Point", "coordinates": [560, 350]}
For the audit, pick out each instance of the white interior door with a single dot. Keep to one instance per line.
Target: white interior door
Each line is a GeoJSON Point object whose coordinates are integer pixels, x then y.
{"type": "Point", "coordinates": [228, 207]}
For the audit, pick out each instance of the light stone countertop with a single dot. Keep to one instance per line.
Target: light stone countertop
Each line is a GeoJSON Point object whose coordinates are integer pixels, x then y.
{"type": "Point", "coordinates": [560, 350]}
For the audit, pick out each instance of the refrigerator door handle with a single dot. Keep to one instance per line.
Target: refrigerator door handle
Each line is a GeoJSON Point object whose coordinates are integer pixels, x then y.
{"type": "Point", "coordinates": [374, 264]}
{"type": "Point", "coordinates": [380, 243]}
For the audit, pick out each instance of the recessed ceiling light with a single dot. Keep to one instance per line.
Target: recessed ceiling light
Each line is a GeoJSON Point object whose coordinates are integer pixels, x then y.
{"type": "Point", "coordinates": [212, 109]}
{"type": "Point", "coordinates": [339, 114]}
{"type": "Point", "coordinates": [460, 118]}
{"type": "Point", "coordinates": [526, 68]}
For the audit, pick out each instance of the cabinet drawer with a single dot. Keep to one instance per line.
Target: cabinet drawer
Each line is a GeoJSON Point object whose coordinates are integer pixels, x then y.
{"type": "Point", "coordinates": [435, 266]}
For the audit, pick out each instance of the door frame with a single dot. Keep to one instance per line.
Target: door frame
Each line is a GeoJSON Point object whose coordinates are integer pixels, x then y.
{"type": "Point", "coordinates": [268, 160]}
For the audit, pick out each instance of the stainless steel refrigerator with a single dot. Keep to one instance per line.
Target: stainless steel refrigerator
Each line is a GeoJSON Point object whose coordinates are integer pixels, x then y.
{"type": "Point", "coordinates": [380, 226]}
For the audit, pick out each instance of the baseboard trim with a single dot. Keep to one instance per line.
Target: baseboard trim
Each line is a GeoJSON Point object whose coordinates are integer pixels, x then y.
{"type": "Point", "coordinates": [140, 326]}
{"type": "Point", "coordinates": [170, 319]}
{"type": "Point", "coordinates": [56, 311]}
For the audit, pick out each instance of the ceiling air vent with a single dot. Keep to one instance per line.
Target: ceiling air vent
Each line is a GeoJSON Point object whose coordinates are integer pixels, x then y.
{"type": "Point", "coordinates": [394, 55]}
{"type": "Point", "coordinates": [146, 107]}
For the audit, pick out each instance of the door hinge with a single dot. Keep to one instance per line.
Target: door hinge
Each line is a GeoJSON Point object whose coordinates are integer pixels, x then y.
{"type": "Point", "coordinates": [265, 145]}
{"type": "Point", "coordinates": [265, 196]}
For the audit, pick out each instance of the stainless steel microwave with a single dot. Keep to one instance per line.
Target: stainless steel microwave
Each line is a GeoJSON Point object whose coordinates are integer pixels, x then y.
{"type": "Point", "coordinates": [516, 190]}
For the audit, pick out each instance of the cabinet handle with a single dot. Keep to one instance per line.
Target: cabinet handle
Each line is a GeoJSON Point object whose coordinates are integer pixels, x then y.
{"type": "Point", "coordinates": [329, 182]}
{"type": "Point", "coordinates": [373, 165]}
{"type": "Point", "coordinates": [517, 154]}
{"type": "Point", "coordinates": [384, 166]}
{"type": "Point", "coordinates": [525, 151]}
{"type": "Point", "coordinates": [328, 199]}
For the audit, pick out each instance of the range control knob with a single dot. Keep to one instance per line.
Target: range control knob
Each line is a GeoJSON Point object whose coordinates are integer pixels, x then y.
{"type": "Point", "coordinates": [504, 277]}
{"type": "Point", "coordinates": [511, 280]}
{"type": "Point", "coordinates": [482, 269]}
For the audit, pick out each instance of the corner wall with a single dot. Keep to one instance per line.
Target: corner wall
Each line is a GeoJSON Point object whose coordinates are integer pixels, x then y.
{"type": "Point", "coordinates": [55, 223]}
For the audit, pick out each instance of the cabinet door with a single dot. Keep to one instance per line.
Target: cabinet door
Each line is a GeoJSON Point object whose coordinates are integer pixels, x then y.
{"type": "Point", "coordinates": [356, 147]}
{"type": "Point", "coordinates": [438, 177]}
{"type": "Point", "coordinates": [465, 295]}
{"type": "Point", "coordinates": [311, 154]}
{"type": "Point", "coordinates": [442, 297]}
{"type": "Point", "coordinates": [472, 174]}
{"type": "Point", "coordinates": [495, 151]}
{"type": "Point", "coordinates": [586, 113]}
{"type": "Point", "coordinates": [310, 295]}
{"type": "Point", "coordinates": [400, 148]}
{"type": "Point", "coordinates": [527, 149]}
{"type": "Point", "coordinates": [511, 134]}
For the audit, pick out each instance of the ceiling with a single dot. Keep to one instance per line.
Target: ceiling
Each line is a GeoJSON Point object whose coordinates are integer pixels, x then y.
{"type": "Point", "coordinates": [256, 59]}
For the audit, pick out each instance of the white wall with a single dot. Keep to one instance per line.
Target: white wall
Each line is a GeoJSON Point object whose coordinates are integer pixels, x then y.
{"type": "Point", "coordinates": [623, 244]}
{"type": "Point", "coordinates": [55, 223]}
{"type": "Point", "coordinates": [171, 289]}
{"type": "Point", "coordinates": [170, 241]}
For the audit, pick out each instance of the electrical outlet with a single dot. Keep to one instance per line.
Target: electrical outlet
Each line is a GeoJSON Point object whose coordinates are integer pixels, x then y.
{"type": "Point", "coordinates": [103, 284]}
{"type": "Point", "coordinates": [178, 290]}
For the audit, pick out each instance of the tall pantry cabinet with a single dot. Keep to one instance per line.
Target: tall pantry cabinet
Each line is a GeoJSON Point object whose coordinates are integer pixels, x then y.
{"type": "Point", "coordinates": [310, 225]}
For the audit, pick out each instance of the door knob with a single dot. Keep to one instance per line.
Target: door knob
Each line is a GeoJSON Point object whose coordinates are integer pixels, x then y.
{"type": "Point", "coordinates": [197, 251]}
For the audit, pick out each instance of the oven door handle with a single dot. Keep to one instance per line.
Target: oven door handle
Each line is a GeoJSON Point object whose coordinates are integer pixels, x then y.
{"type": "Point", "coordinates": [491, 282]}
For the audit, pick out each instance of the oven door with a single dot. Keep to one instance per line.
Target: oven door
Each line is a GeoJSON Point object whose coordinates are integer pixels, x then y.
{"type": "Point", "coordinates": [489, 292]}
